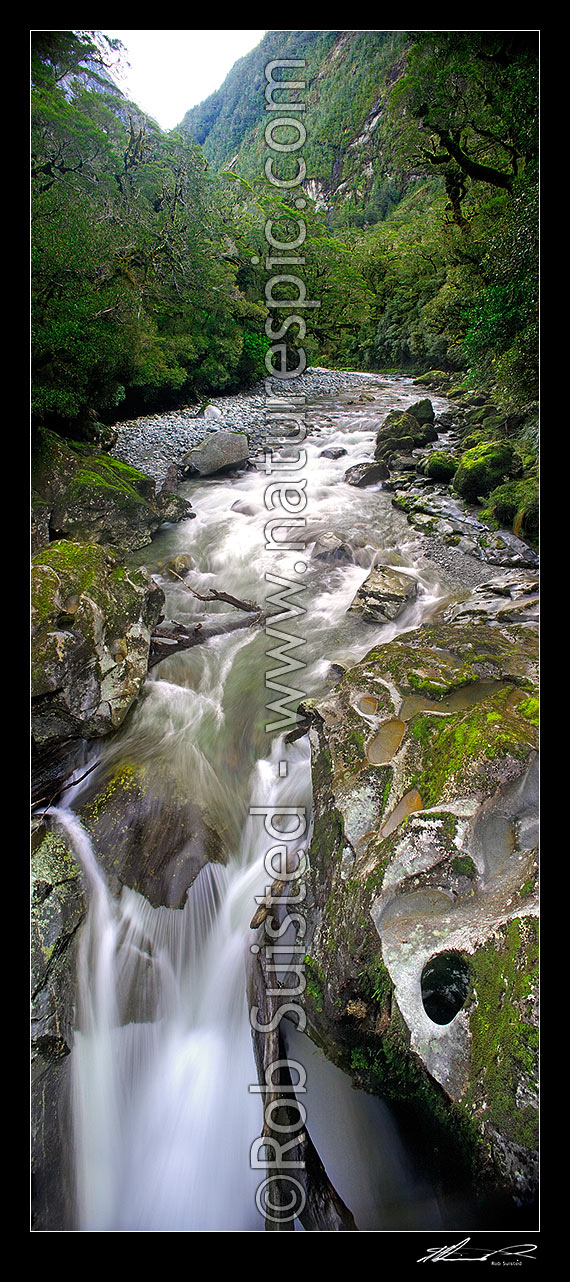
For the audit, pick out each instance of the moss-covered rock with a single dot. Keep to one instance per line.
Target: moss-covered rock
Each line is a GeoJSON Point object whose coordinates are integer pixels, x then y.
{"type": "Point", "coordinates": [485, 467]}
{"type": "Point", "coordinates": [422, 410]}
{"type": "Point", "coordinates": [57, 910]}
{"type": "Point", "coordinates": [516, 506]}
{"type": "Point", "coordinates": [435, 378]}
{"type": "Point", "coordinates": [502, 1010]}
{"type": "Point", "coordinates": [97, 499]}
{"type": "Point", "coordinates": [91, 627]}
{"type": "Point", "coordinates": [440, 466]}
{"type": "Point", "coordinates": [400, 432]}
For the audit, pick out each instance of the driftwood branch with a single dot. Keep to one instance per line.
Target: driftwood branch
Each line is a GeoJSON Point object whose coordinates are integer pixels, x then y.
{"type": "Point", "coordinates": [249, 606]}
{"type": "Point", "coordinates": [169, 636]}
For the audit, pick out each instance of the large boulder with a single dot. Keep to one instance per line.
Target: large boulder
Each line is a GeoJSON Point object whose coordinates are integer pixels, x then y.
{"type": "Point", "coordinates": [401, 432]}
{"type": "Point", "coordinates": [421, 946]}
{"type": "Point", "coordinates": [93, 498]}
{"type": "Point", "coordinates": [422, 410]}
{"type": "Point", "coordinates": [148, 833]}
{"type": "Point", "coordinates": [216, 453]}
{"type": "Point", "coordinates": [440, 466]}
{"type": "Point", "coordinates": [485, 467]}
{"type": "Point", "coordinates": [91, 627]}
{"type": "Point", "coordinates": [363, 474]}
{"type": "Point", "coordinates": [331, 547]}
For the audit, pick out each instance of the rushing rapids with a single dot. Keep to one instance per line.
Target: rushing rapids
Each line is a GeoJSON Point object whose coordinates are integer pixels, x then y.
{"type": "Point", "coordinates": [165, 1111]}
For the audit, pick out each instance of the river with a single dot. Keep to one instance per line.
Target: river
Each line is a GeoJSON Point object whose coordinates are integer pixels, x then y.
{"type": "Point", "coordinates": [164, 1118]}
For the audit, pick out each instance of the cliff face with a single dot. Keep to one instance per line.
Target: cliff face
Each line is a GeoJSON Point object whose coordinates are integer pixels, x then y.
{"type": "Point", "coordinates": [349, 147]}
{"type": "Point", "coordinates": [422, 942]}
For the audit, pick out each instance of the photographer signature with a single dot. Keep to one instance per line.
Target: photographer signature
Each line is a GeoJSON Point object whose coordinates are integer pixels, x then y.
{"type": "Point", "coordinates": [463, 1251]}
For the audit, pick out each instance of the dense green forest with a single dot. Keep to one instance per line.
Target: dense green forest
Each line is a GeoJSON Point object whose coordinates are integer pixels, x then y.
{"type": "Point", "coordinates": [422, 234]}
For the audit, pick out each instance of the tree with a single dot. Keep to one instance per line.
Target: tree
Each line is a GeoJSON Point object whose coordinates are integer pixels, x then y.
{"type": "Point", "coordinates": [135, 299]}
{"type": "Point", "coordinates": [469, 110]}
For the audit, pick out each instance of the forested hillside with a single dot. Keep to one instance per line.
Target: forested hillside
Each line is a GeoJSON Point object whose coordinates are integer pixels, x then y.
{"type": "Point", "coordinates": [353, 168]}
{"type": "Point", "coordinates": [422, 221]}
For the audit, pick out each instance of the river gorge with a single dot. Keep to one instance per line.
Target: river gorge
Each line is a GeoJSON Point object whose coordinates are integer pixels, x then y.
{"type": "Point", "coordinates": [292, 821]}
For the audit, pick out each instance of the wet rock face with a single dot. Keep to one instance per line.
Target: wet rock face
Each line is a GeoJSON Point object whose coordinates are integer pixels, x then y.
{"type": "Point", "coordinates": [363, 474]}
{"type": "Point", "coordinates": [425, 775]}
{"type": "Point", "coordinates": [330, 547]}
{"type": "Point", "coordinates": [57, 910]}
{"type": "Point", "coordinates": [511, 597]}
{"type": "Point", "coordinates": [148, 835]}
{"type": "Point", "coordinates": [91, 627]}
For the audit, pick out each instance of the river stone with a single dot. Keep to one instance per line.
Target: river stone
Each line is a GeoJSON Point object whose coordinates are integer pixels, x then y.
{"type": "Point", "coordinates": [403, 463]}
{"type": "Point", "coordinates": [510, 597]}
{"type": "Point", "coordinates": [329, 547]}
{"type": "Point", "coordinates": [336, 452]}
{"type": "Point", "coordinates": [484, 467]}
{"type": "Point", "coordinates": [442, 841]}
{"type": "Point", "coordinates": [401, 432]}
{"type": "Point", "coordinates": [383, 594]}
{"type": "Point", "coordinates": [366, 474]}
{"type": "Point", "coordinates": [422, 410]}
{"type": "Point", "coordinates": [220, 450]}
{"type": "Point", "coordinates": [89, 662]}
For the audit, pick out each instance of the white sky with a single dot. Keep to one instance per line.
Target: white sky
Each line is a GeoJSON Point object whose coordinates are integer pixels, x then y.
{"type": "Point", "coordinates": [171, 71]}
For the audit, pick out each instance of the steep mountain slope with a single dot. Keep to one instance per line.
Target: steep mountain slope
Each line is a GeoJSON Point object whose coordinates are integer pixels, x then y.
{"type": "Point", "coordinates": [349, 150]}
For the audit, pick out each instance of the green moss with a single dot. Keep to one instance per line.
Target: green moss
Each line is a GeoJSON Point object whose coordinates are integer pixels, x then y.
{"type": "Point", "coordinates": [504, 1048]}
{"type": "Point", "coordinates": [482, 732]}
{"type": "Point", "coordinates": [464, 867]}
{"type": "Point", "coordinates": [352, 747]}
{"type": "Point", "coordinates": [315, 985]}
{"type": "Point", "coordinates": [327, 838]}
{"type": "Point", "coordinates": [431, 686]}
{"type": "Point", "coordinates": [528, 887]}
{"type": "Point", "coordinates": [423, 727]}
{"type": "Point", "coordinates": [374, 981]}
{"type": "Point", "coordinates": [126, 484]}
{"type": "Point", "coordinates": [82, 561]}
{"type": "Point", "coordinates": [530, 710]}
{"type": "Point", "coordinates": [124, 779]}
{"type": "Point", "coordinates": [440, 466]}
{"type": "Point", "coordinates": [515, 505]}
{"type": "Point", "coordinates": [484, 467]}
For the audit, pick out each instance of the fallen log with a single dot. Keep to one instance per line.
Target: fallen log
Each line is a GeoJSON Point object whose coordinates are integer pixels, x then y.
{"type": "Point", "coordinates": [170, 637]}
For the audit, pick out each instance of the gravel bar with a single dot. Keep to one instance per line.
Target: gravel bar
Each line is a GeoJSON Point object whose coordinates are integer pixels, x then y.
{"type": "Point", "coordinates": [155, 442]}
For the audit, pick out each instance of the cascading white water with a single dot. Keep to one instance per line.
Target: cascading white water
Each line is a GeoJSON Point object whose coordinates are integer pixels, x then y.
{"type": "Point", "coordinates": [163, 1057]}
